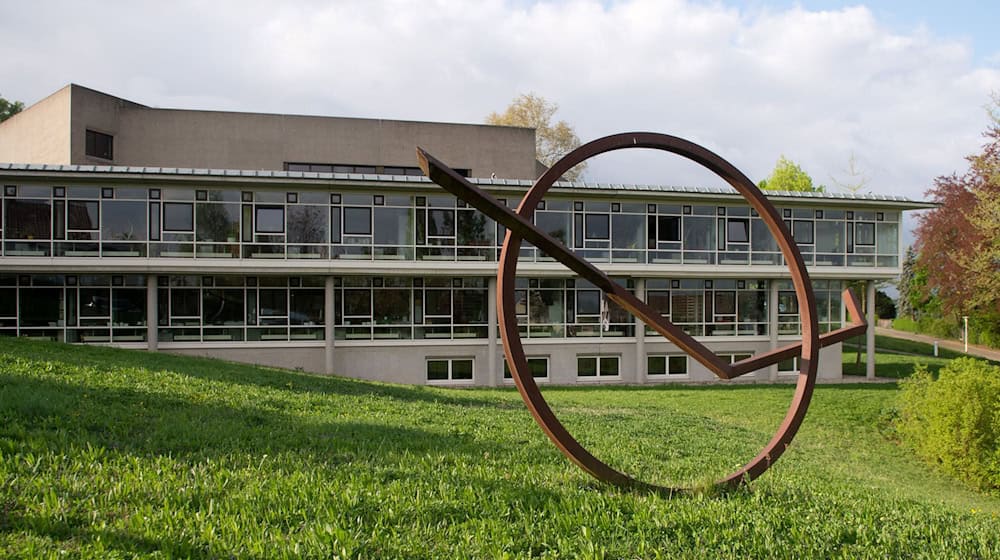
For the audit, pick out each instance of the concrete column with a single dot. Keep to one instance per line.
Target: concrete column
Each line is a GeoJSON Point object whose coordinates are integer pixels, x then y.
{"type": "Point", "coordinates": [328, 319]}
{"type": "Point", "coordinates": [152, 310]}
{"type": "Point", "coordinates": [492, 364]}
{"type": "Point", "coordinates": [772, 324]}
{"type": "Point", "coordinates": [640, 336]}
{"type": "Point", "coordinates": [870, 333]}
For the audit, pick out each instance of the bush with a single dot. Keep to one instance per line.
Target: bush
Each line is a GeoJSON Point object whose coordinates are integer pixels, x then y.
{"type": "Point", "coordinates": [936, 326]}
{"type": "Point", "coordinates": [954, 422]}
{"type": "Point", "coordinates": [904, 324]}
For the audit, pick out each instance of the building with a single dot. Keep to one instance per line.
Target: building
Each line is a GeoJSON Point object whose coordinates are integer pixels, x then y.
{"type": "Point", "coordinates": [325, 252]}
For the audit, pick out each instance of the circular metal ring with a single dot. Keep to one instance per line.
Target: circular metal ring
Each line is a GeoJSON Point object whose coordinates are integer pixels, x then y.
{"type": "Point", "coordinates": [514, 350]}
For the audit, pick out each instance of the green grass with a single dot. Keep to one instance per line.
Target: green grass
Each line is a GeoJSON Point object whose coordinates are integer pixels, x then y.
{"type": "Point", "coordinates": [109, 454]}
{"type": "Point", "coordinates": [896, 357]}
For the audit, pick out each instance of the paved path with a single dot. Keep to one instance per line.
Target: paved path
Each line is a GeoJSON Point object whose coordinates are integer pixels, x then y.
{"type": "Point", "coordinates": [954, 345]}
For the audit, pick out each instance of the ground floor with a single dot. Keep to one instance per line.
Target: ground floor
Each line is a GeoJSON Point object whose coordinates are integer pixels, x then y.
{"type": "Point", "coordinates": [429, 329]}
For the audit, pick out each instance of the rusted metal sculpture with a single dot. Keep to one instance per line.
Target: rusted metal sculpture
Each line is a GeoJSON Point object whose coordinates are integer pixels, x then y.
{"type": "Point", "coordinates": [520, 227]}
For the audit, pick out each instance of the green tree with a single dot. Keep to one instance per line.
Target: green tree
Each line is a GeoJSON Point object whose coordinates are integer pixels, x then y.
{"type": "Point", "coordinates": [9, 108]}
{"type": "Point", "coordinates": [906, 285]}
{"type": "Point", "coordinates": [552, 140]}
{"type": "Point", "coordinates": [885, 308]}
{"type": "Point", "coordinates": [788, 176]}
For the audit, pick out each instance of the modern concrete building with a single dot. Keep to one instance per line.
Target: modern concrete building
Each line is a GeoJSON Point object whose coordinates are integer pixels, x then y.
{"type": "Point", "coordinates": [310, 242]}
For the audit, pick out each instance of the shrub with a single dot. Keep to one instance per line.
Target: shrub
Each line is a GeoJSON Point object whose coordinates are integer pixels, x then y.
{"type": "Point", "coordinates": [936, 326]}
{"type": "Point", "coordinates": [904, 324]}
{"type": "Point", "coordinates": [954, 422]}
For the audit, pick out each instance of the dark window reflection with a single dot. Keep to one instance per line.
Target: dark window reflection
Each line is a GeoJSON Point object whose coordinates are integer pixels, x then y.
{"type": "Point", "coordinates": [357, 221]}
{"type": "Point", "coordinates": [27, 219]}
{"type": "Point", "coordinates": [307, 224]}
{"type": "Point", "coordinates": [306, 307]}
{"type": "Point", "coordinates": [222, 307]}
{"type": "Point", "coordinates": [124, 221]}
{"type": "Point", "coordinates": [178, 216]}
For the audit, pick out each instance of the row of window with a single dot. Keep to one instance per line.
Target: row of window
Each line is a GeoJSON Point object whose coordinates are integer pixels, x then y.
{"type": "Point", "coordinates": [102, 308]}
{"type": "Point", "coordinates": [588, 367]}
{"type": "Point", "coordinates": [172, 222]}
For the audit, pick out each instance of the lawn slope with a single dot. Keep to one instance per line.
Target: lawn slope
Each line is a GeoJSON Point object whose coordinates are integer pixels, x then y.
{"type": "Point", "coordinates": [109, 453]}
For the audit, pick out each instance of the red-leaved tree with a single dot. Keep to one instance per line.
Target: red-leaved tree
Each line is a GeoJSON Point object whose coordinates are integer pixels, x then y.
{"type": "Point", "coordinates": [948, 240]}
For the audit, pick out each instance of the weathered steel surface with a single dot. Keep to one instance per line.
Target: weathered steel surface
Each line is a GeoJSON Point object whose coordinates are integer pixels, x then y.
{"type": "Point", "coordinates": [520, 227]}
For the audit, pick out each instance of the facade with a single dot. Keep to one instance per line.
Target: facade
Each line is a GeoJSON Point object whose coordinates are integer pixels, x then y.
{"type": "Point", "coordinates": [380, 274]}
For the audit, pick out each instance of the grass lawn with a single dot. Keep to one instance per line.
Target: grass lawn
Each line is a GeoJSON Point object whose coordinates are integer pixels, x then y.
{"type": "Point", "coordinates": [895, 357]}
{"type": "Point", "coordinates": [110, 453]}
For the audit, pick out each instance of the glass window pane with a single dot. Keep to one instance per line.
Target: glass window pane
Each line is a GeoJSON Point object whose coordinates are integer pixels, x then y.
{"type": "Point", "coordinates": [357, 303]}
{"type": "Point", "coordinates": [40, 307]}
{"type": "Point", "coordinates": [699, 234]}
{"type": "Point", "coordinates": [27, 219]}
{"type": "Point", "coordinates": [270, 219]}
{"type": "Point", "coordinates": [82, 214]}
{"type": "Point", "coordinates": [739, 231]}
{"type": "Point", "coordinates": [470, 307]}
{"type": "Point", "coordinates": [441, 223]}
{"type": "Point", "coordinates": [830, 237]}
{"type": "Point", "coordinates": [586, 367]}
{"type": "Point", "coordinates": [392, 307]}
{"type": "Point", "coordinates": [656, 365]}
{"type": "Point", "coordinates": [474, 229]}
{"type": "Point", "coordinates": [628, 231]}
{"type": "Point", "coordinates": [218, 222]}
{"type": "Point", "coordinates": [437, 302]}
{"type": "Point", "coordinates": [588, 302]}
{"type": "Point", "coordinates": [761, 238]}
{"type": "Point", "coordinates": [184, 303]}
{"type": "Point", "coordinates": [124, 220]}
{"type": "Point", "coordinates": [222, 307]}
{"type": "Point", "coordinates": [609, 365]}
{"type": "Point", "coordinates": [307, 307]}
{"type": "Point", "coordinates": [687, 307]}
{"type": "Point", "coordinates": [678, 365]}
{"type": "Point", "coordinates": [273, 302]}
{"type": "Point", "coordinates": [597, 226]}
{"type": "Point", "coordinates": [539, 367]}
{"type": "Point", "coordinates": [802, 232]}
{"type": "Point", "coordinates": [178, 216]}
{"type": "Point", "coordinates": [307, 224]}
{"type": "Point", "coordinates": [437, 370]}
{"type": "Point", "coordinates": [393, 226]}
{"type": "Point", "coordinates": [357, 221]}
{"type": "Point", "coordinates": [556, 224]}
{"type": "Point", "coordinates": [888, 238]}
{"type": "Point", "coordinates": [461, 369]}
{"type": "Point", "coordinates": [95, 302]}
{"type": "Point", "coordinates": [725, 303]}
{"type": "Point", "coordinates": [668, 228]}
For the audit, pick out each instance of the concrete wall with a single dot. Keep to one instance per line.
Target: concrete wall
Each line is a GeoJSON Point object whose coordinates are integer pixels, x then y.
{"type": "Point", "coordinates": [99, 112]}
{"type": "Point", "coordinates": [40, 133]}
{"type": "Point", "coordinates": [405, 363]}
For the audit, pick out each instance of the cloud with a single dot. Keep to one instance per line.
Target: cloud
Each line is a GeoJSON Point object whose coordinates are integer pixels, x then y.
{"type": "Point", "coordinates": [815, 86]}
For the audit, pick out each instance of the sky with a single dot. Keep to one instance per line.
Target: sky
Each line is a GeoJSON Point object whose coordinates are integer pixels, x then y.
{"type": "Point", "coordinates": [901, 87]}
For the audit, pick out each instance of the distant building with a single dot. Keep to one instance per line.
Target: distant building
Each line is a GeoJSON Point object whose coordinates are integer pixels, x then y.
{"type": "Point", "coordinates": [312, 242]}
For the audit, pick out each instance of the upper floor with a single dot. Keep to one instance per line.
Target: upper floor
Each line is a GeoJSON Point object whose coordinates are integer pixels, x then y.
{"type": "Point", "coordinates": [77, 125]}
{"type": "Point", "coordinates": [294, 221]}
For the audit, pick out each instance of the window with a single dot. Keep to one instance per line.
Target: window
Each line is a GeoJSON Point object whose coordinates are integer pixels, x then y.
{"type": "Point", "coordinates": [598, 226]}
{"type": "Point", "coordinates": [738, 230]}
{"type": "Point", "coordinates": [357, 221]}
{"type": "Point", "coordinates": [597, 366]}
{"type": "Point", "coordinates": [865, 234]}
{"type": "Point", "coordinates": [178, 216]}
{"type": "Point", "coordinates": [539, 368]}
{"type": "Point", "coordinates": [449, 369]}
{"type": "Point", "coordinates": [802, 232]}
{"type": "Point", "coordinates": [666, 365]}
{"type": "Point", "coordinates": [668, 228]}
{"type": "Point", "coordinates": [100, 145]}
{"type": "Point", "coordinates": [270, 219]}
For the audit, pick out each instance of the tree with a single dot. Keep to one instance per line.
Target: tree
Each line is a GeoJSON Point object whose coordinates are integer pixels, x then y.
{"type": "Point", "coordinates": [885, 308]}
{"type": "Point", "coordinates": [788, 176]}
{"type": "Point", "coordinates": [956, 240]}
{"type": "Point", "coordinates": [907, 287]}
{"type": "Point", "coordinates": [856, 179]}
{"type": "Point", "coordinates": [552, 140]}
{"type": "Point", "coordinates": [9, 108]}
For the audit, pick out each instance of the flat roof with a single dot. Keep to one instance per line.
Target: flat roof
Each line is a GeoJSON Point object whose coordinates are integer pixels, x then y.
{"type": "Point", "coordinates": [170, 172]}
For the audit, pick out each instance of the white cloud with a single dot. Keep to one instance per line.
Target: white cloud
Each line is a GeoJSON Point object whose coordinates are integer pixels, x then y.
{"type": "Point", "coordinates": [815, 86]}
